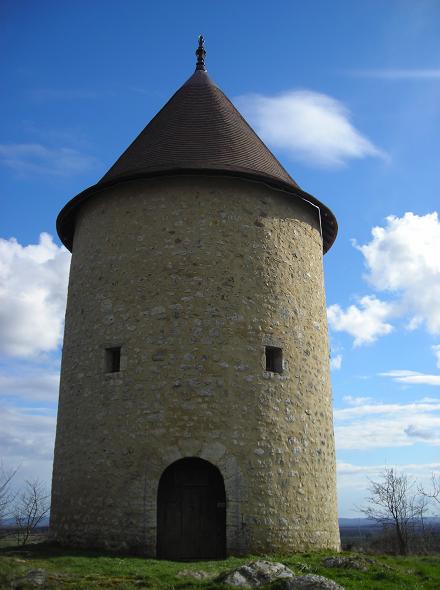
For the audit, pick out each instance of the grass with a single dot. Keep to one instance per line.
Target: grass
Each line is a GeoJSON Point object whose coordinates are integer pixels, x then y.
{"type": "Point", "coordinates": [88, 570]}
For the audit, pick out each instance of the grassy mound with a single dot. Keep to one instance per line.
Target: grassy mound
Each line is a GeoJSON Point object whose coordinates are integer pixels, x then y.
{"type": "Point", "coordinates": [58, 568]}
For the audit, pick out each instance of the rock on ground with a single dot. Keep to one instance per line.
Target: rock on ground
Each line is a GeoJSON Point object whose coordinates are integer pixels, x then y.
{"type": "Point", "coordinates": [255, 574]}
{"type": "Point", "coordinates": [310, 582]}
{"type": "Point", "coordinates": [195, 574]}
{"type": "Point", "coordinates": [347, 562]}
{"type": "Point", "coordinates": [33, 579]}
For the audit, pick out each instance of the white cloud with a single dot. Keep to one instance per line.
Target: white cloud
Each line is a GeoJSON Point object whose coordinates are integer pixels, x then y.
{"type": "Point", "coordinates": [27, 439]}
{"type": "Point", "coordinates": [404, 258]}
{"type": "Point", "coordinates": [400, 74]}
{"type": "Point", "coordinates": [371, 470]}
{"type": "Point", "coordinates": [379, 425]}
{"type": "Point", "coordinates": [27, 433]}
{"type": "Point", "coordinates": [356, 401]}
{"type": "Point", "coordinates": [436, 351]}
{"type": "Point", "coordinates": [421, 433]}
{"type": "Point", "coordinates": [33, 286]}
{"type": "Point", "coordinates": [350, 469]}
{"type": "Point", "coordinates": [412, 377]}
{"type": "Point", "coordinates": [358, 410]}
{"type": "Point", "coordinates": [386, 433]}
{"type": "Point", "coordinates": [34, 158]}
{"type": "Point", "coordinates": [309, 126]}
{"type": "Point", "coordinates": [34, 385]}
{"type": "Point", "coordinates": [365, 322]}
{"type": "Point", "coordinates": [336, 362]}
{"type": "Point", "coordinates": [353, 481]}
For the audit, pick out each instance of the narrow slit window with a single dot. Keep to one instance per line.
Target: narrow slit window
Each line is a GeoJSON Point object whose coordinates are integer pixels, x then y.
{"type": "Point", "coordinates": [113, 359]}
{"type": "Point", "coordinates": [274, 359]}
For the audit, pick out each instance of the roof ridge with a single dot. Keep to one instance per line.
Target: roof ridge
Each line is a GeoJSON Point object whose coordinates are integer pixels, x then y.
{"type": "Point", "coordinates": [258, 138]}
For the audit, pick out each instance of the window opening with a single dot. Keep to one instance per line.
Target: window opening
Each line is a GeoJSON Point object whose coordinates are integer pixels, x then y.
{"type": "Point", "coordinates": [274, 359]}
{"type": "Point", "coordinates": [113, 359]}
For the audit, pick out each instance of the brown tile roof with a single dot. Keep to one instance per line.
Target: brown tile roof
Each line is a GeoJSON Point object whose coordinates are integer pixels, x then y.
{"type": "Point", "coordinates": [197, 131]}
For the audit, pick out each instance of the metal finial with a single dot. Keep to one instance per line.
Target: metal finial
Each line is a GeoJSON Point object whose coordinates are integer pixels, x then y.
{"type": "Point", "coordinates": [200, 52]}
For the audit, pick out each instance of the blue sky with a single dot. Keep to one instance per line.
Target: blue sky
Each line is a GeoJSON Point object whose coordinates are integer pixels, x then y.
{"type": "Point", "coordinates": [346, 94]}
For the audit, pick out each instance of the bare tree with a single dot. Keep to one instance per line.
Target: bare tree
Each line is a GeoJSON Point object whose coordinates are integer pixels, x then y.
{"type": "Point", "coordinates": [33, 504]}
{"type": "Point", "coordinates": [6, 494]}
{"type": "Point", "coordinates": [394, 504]}
{"type": "Point", "coordinates": [434, 492]}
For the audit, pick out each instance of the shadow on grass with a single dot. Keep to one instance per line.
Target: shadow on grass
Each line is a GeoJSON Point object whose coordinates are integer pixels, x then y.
{"type": "Point", "coordinates": [48, 549]}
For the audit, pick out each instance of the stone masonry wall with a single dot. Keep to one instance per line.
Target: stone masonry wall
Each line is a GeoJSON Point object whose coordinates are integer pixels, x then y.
{"type": "Point", "coordinates": [193, 277]}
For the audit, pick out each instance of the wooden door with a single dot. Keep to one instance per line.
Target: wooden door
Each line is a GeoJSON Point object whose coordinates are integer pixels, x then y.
{"type": "Point", "coordinates": [191, 511]}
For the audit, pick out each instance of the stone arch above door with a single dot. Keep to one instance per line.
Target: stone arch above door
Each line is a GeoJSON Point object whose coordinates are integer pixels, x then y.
{"type": "Point", "coordinates": [235, 487]}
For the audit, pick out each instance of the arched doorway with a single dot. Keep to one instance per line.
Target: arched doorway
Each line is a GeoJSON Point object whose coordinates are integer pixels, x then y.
{"type": "Point", "coordinates": [191, 511]}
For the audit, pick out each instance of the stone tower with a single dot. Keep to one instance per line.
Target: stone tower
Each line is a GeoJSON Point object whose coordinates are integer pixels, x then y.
{"type": "Point", "coordinates": [195, 413]}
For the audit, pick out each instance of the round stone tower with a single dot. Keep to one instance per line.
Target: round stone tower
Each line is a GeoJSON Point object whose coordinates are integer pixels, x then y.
{"type": "Point", "coordinates": [195, 413]}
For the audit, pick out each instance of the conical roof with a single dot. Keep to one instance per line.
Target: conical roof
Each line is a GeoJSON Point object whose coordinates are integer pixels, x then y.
{"type": "Point", "coordinates": [197, 131]}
